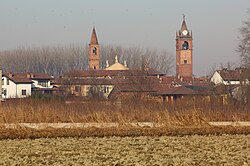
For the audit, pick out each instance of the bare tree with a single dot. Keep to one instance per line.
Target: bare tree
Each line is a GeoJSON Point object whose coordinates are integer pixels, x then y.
{"type": "Point", "coordinates": [60, 59]}
{"type": "Point", "coordinates": [244, 44]}
{"type": "Point", "coordinates": [244, 50]}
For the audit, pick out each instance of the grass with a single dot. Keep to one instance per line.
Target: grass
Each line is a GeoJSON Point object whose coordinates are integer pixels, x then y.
{"type": "Point", "coordinates": [53, 111]}
{"type": "Point", "coordinates": [179, 118]}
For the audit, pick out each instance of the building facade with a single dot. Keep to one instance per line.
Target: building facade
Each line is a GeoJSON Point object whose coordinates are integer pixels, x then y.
{"type": "Point", "coordinates": [13, 87]}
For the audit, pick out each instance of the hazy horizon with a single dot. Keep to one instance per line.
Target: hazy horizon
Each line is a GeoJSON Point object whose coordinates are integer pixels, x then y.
{"type": "Point", "coordinates": [153, 24]}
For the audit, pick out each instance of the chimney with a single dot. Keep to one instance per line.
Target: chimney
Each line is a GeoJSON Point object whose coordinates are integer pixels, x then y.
{"type": "Point", "coordinates": [30, 75]}
{"type": "Point", "coordinates": [160, 80]}
{"type": "Point", "coordinates": [10, 75]}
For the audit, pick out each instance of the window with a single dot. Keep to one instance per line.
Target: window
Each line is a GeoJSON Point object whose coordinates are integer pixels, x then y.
{"type": "Point", "coordinates": [94, 51]}
{"type": "Point", "coordinates": [43, 83]}
{"type": "Point", "coordinates": [185, 45]}
{"type": "Point", "coordinates": [2, 81]}
{"type": "Point", "coordinates": [106, 89]}
{"type": "Point", "coordinates": [185, 61]}
{"type": "Point", "coordinates": [78, 88]}
{"type": "Point", "coordinates": [4, 92]}
{"type": "Point", "coordinates": [24, 92]}
{"type": "Point", "coordinates": [8, 81]}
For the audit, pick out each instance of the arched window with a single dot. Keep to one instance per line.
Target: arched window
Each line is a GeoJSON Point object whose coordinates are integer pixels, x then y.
{"type": "Point", "coordinates": [94, 51]}
{"type": "Point", "coordinates": [185, 45]}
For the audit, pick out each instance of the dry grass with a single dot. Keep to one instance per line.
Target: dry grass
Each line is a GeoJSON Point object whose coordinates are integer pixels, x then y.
{"type": "Point", "coordinates": [121, 132]}
{"type": "Point", "coordinates": [177, 120]}
{"type": "Point", "coordinates": [53, 111]}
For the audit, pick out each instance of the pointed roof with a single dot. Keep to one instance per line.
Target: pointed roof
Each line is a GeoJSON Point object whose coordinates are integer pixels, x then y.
{"type": "Point", "coordinates": [184, 25]}
{"type": "Point", "coordinates": [93, 39]}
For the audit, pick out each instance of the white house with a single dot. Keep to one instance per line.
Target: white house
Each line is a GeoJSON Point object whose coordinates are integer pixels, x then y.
{"type": "Point", "coordinates": [229, 77]}
{"type": "Point", "coordinates": [14, 87]}
{"type": "Point", "coordinates": [21, 85]}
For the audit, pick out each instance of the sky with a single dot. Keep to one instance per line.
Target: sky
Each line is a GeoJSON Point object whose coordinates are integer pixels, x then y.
{"type": "Point", "coordinates": [145, 23]}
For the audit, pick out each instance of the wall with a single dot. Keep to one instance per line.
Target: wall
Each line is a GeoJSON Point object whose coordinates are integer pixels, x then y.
{"type": "Point", "coordinates": [216, 78]}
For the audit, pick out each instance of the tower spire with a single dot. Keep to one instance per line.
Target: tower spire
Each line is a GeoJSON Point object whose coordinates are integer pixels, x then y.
{"type": "Point", "coordinates": [184, 25]}
{"type": "Point", "coordinates": [93, 39]}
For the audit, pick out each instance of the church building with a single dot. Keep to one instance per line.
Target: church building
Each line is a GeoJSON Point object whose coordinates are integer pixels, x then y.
{"type": "Point", "coordinates": [94, 56]}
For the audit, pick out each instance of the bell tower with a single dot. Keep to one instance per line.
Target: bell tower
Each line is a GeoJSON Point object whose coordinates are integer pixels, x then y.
{"type": "Point", "coordinates": [184, 51]}
{"type": "Point", "coordinates": [94, 52]}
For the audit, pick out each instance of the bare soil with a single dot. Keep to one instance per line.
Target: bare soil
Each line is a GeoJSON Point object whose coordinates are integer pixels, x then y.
{"type": "Point", "coordinates": [142, 150]}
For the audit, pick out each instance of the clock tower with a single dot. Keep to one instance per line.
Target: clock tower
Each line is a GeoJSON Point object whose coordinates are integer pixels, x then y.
{"type": "Point", "coordinates": [94, 52]}
{"type": "Point", "coordinates": [184, 51]}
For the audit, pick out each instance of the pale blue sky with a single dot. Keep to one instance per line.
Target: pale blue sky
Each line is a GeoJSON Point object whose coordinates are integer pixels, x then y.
{"type": "Point", "coordinates": [146, 23]}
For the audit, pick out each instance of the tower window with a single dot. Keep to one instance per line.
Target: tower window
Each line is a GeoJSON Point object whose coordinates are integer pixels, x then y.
{"type": "Point", "coordinates": [94, 51]}
{"type": "Point", "coordinates": [185, 45]}
{"type": "Point", "coordinates": [94, 67]}
{"type": "Point", "coordinates": [185, 61]}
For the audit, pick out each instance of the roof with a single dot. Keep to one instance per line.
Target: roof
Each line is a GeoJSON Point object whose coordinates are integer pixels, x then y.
{"type": "Point", "coordinates": [85, 81]}
{"type": "Point", "coordinates": [151, 71]}
{"type": "Point", "coordinates": [233, 75]}
{"type": "Point", "coordinates": [33, 76]}
{"type": "Point", "coordinates": [116, 66]}
{"type": "Point", "coordinates": [136, 88]}
{"type": "Point", "coordinates": [184, 25]}
{"type": "Point", "coordinates": [93, 39]}
{"type": "Point", "coordinates": [18, 80]}
{"type": "Point", "coordinates": [104, 73]}
{"type": "Point", "coordinates": [181, 90]}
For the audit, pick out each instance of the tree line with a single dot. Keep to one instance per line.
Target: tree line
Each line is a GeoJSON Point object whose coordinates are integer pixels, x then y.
{"type": "Point", "coordinates": [60, 59]}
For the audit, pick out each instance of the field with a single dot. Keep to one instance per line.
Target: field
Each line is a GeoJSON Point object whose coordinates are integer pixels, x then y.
{"type": "Point", "coordinates": [186, 137]}
{"type": "Point", "coordinates": [143, 150]}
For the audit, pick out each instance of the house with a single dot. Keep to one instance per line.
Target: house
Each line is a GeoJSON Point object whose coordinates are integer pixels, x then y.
{"type": "Point", "coordinates": [230, 77]}
{"type": "Point", "coordinates": [84, 87]}
{"type": "Point", "coordinates": [41, 82]}
{"type": "Point", "coordinates": [20, 85]}
{"type": "Point", "coordinates": [15, 87]}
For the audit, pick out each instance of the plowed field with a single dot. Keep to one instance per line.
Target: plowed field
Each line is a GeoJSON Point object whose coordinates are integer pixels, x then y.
{"type": "Point", "coordinates": [144, 150]}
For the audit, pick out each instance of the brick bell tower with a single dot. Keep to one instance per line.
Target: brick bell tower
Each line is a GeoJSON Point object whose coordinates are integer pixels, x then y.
{"type": "Point", "coordinates": [94, 52]}
{"type": "Point", "coordinates": [184, 51]}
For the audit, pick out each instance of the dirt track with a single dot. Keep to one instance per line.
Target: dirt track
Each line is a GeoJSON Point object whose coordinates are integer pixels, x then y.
{"type": "Point", "coordinates": [164, 150]}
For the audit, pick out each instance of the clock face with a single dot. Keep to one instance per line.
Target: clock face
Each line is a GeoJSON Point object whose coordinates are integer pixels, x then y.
{"type": "Point", "coordinates": [185, 32]}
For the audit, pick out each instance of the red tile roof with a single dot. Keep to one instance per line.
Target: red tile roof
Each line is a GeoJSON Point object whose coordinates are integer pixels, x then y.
{"type": "Point", "coordinates": [181, 90]}
{"type": "Point", "coordinates": [105, 73]}
{"type": "Point", "coordinates": [34, 76]}
{"type": "Point", "coordinates": [234, 75]}
{"type": "Point", "coordinates": [85, 81]}
{"type": "Point", "coordinates": [18, 80]}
